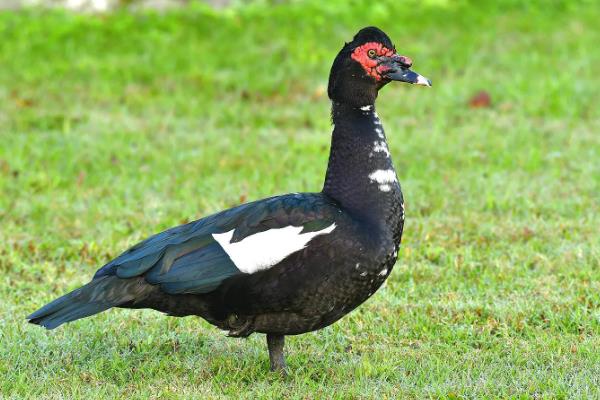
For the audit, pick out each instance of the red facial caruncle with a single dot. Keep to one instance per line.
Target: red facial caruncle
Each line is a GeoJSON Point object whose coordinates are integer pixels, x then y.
{"type": "Point", "coordinates": [368, 56]}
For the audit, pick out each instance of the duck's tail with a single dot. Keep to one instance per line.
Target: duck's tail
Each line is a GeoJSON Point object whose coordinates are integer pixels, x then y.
{"type": "Point", "coordinates": [97, 296]}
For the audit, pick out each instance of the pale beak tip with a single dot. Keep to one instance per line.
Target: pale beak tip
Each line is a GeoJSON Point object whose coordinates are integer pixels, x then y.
{"type": "Point", "coordinates": [422, 81]}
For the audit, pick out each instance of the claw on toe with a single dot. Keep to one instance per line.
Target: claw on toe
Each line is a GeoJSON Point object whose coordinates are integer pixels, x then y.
{"type": "Point", "coordinates": [279, 369]}
{"type": "Point", "coordinates": [239, 327]}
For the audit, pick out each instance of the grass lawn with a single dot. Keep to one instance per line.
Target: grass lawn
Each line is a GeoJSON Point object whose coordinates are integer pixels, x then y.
{"type": "Point", "coordinates": [118, 126]}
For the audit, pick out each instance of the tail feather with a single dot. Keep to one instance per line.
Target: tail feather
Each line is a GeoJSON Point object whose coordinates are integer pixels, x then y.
{"type": "Point", "coordinates": [97, 296]}
{"type": "Point", "coordinates": [70, 312]}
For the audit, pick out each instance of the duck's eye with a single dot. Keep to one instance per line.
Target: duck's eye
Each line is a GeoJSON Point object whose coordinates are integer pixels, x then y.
{"type": "Point", "coordinates": [372, 53]}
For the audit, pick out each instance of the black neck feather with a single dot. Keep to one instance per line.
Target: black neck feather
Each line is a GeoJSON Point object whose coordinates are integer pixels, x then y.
{"type": "Point", "coordinates": [360, 174]}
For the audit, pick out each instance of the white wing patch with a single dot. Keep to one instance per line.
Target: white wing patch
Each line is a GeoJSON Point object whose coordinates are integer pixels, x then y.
{"type": "Point", "coordinates": [265, 249]}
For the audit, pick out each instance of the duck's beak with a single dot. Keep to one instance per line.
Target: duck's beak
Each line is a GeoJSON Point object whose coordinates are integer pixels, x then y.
{"type": "Point", "coordinates": [397, 69]}
{"type": "Point", "coordinates": [408, 76]}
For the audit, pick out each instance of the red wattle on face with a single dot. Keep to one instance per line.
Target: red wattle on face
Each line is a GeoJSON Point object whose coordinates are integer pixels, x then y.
{"type": "Point", "coordinates": [370, 65]}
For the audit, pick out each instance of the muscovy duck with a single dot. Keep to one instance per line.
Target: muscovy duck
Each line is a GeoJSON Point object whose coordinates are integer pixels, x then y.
{"type": "Point", "coordinates": [288, 264]}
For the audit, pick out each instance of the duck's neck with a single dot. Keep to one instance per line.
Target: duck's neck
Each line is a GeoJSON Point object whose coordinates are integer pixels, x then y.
{"type": "Point", "coordinates": [360, 174]}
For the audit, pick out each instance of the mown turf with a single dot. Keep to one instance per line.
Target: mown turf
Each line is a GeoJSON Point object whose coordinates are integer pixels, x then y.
{"type": "Point", "coordinates": [115, 127]}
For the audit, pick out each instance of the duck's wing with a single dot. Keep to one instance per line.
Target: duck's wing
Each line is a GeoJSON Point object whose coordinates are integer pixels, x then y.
{"type": "Point", "coordinates": [197, 257]}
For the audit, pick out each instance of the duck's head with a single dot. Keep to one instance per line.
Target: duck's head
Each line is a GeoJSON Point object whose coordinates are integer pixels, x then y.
{"type": "Point", "coordinates": [365, 65]}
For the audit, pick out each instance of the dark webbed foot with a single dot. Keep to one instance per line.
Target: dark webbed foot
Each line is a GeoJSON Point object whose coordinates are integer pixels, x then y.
{"type": "Point", "coordinates": [275, 343]}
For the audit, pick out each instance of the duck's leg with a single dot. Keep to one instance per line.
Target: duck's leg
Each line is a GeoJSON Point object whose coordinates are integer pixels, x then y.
{"type": "Point", "coordinates": [275, 343]}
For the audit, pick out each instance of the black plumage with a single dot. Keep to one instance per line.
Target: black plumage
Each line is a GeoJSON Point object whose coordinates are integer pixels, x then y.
{"type": "Point", "coordinates": [330, 251]}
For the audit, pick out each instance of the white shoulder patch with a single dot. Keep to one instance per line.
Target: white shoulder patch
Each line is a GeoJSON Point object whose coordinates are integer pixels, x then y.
{"type": "Point", "coordinates": [265, 249]}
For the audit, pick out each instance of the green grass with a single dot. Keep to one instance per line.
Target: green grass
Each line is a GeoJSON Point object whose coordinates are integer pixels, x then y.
{"type": "Point", "coordinates": [116, 127]}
